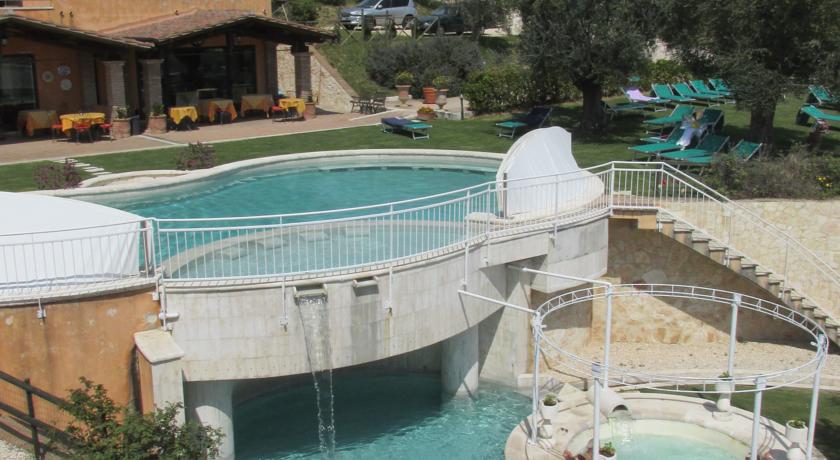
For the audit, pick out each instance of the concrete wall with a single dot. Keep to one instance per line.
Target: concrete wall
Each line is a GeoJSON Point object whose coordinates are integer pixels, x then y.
{"type": "Point", "coordinates": [102, 15]}
{"type": "Point", "coordinates": [91, 338]}
{"type": "Point", "coordinates": [329, 90]}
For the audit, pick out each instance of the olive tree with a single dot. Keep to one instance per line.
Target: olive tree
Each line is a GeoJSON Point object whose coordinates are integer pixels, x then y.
{"type": "Point", "coordinates": [762, 47]}
{"type": "Point", "coordinates": [591, 43]}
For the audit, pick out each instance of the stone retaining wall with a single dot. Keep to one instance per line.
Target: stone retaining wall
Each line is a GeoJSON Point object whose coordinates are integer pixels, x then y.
{"type": "Point", "coordinates": [329, 90]}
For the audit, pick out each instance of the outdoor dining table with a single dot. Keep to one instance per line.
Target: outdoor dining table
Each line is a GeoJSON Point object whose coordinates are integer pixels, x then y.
{"type": "Point", "coordinates": [179, 113]}
{"type": "Point", "coordinates": [30, 120]}
{"type": "Point", "coordinates": [208, 108]}
{"type": "Point", "coordinates": [293, 102]}
{"type": "Point", "coordinates": [93, 118]}
{"type": "Point", "coordinates": [262, 102]}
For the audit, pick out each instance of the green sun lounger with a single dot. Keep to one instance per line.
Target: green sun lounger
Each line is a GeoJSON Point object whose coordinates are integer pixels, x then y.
{"type": "Point", "coordinates": [712, 119]}
{"type": "Point", "coordinates": [676, 116]}
{"type": "Point", "coordinates": [616, 109]}
{"type": "Point", "coordinates": [535, 118]}
{"type": "Point", "coordinates": [670, 143]}
{"type": "Point", "coordinates": [817, 114]}
{"type": "Point", "coordinates": [743, 151]}
{"type": "Point", "coordinates": [685, 91]}
{"type": "Point", "coordinates": [664, 92]}
{"type": "Point", "coordinates": [708, 147]}
{"type": "Point", "coordinates": [820, 96]}
{"type": "Point", "coordinates": [720, 86]}
{"type": "Point", "coordinates": [701, 87]}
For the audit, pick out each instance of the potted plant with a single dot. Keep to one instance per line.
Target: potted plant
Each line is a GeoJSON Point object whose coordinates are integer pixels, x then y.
{"type": "Point", "coordinates": [796, 431]}
{"type": "Point", "coordinates": [426, 113]}
{"type": "Point", "coordinates": [607, 451]}
{"type": "Point", "coordinates": [157, 120]}
{"type": "Point", "coordinates": [429, 90]}
{"type": "Point", "coordinates": [403, 82]}
{"type": "Point", "coordinates": [121, 123]}
{"type": "Point", "coordinates": [725, 387]}
{"type": "Point", "coordinates": [549, 406]}
{"type": "Point", "coordinates": [442, 85]}
{"type": "Point", "coordinates": [309, 110]}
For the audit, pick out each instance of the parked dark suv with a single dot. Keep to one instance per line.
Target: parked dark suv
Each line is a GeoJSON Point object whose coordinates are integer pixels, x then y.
{"type": "Point", "coordinates": [442, 20]}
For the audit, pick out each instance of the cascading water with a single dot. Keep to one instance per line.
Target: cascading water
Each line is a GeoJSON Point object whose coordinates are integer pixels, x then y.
{"type": "Point", "coordinates": [315, 318]}
{"type": "Point", "coordinates": [621, 426]}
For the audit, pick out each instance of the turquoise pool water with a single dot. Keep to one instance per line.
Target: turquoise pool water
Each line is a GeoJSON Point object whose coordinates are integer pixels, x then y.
{"type": "Point", "coordinates": [281, 191]}
{"type": "Point", "coordinates": [648, 446]}
{"type": "Point", "coordinates": [381, 416]}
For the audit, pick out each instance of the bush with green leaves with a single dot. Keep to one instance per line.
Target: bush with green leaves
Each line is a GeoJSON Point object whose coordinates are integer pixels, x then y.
{"type": "Point", "coordinates": [302, 10]}
{"type": "Point", "coordinates": [102, 430]}
{"type": "Point", "coordinates": [425, 59]}
{"type": "Point", "coordinates": [196, 156]}
{"type": "Point", "coordinates": [54, 176]}
{"type": "Point", "coordinates": [664, 71]}
{"type": "Point", "coordinates": [511, 86]}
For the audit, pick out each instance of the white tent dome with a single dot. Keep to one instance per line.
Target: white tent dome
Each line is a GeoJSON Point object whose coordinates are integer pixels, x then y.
{"type": "Point", "coordinates": [542, 176]}
{"type": "Point", "coordinates": [48, 242]}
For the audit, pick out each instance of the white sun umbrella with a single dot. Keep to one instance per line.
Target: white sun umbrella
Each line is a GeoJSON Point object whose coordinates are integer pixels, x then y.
{"type": "Point", "coordinates": [47, 243]}
{"type": "Point", "coordinates": [542, 177]}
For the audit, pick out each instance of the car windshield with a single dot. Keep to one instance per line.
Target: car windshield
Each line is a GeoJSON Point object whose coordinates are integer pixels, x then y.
{"type": "Point", "coordinates": [440, 11]}
{"type": "Point", "coordinates": [368, 3]}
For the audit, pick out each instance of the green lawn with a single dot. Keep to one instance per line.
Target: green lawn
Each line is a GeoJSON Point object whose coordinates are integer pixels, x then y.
{"type": "Point", "coordinates": [784, 404]}
{"type": "Point", "coordinates": [475, 134]}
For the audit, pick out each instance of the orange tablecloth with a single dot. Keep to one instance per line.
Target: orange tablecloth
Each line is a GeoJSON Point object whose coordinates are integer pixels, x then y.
{"type": "Point", "coordinates": [94, 118]}
{"type": "Point", "coordinates": [30, 120]}
{"type": "Point", "coordinates": [293, 102]}
{"type": "Point", "coordinates": [179, 113]}
{"type": "Point", "coordinates": [208, 107]}
{"type": "Point", "coordinates": [256, 102]}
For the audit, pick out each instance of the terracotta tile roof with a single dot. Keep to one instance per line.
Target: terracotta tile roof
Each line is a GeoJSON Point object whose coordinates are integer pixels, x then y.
{"type": "Point", "coordinates": [188, 24]}
{"type": "Point", "coordinates": [82, 34]}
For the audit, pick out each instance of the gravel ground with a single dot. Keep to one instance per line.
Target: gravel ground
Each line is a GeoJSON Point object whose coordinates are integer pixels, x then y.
{"type": "Point", "coordinates": [749, 356]}
{"type": "Point", "coordinates": [10, 452]}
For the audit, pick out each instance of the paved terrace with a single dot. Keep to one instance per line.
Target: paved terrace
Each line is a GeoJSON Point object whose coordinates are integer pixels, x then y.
{"type": "Point", "coordinates": [20, 150]}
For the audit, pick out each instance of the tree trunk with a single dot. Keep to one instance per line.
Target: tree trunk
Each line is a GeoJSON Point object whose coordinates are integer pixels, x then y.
{"type": "Point", "coordinates": [593, 113]}
{"type": "Point", "coordinates": [761, 127]}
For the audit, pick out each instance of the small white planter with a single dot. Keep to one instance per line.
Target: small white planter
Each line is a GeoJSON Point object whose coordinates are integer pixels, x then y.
{"type": "Point", "coordinates": [797, 435]}
{"type": "Point", "coordinates": [724, 386]}
{"type": "Point", "coordinates": [549, 412]}
{"type": "Point", "coordinates": [609, 457]}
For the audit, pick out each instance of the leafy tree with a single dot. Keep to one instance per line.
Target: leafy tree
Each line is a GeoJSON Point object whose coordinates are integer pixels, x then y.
{"type": "Point", "coordinates": [593, 43]}
{"type": "Point", "coordinates": [104, 431]}
{"type": "Point", "coordinates": [762, 47]}
{"type": "Point", "coordinates": [480, 14]}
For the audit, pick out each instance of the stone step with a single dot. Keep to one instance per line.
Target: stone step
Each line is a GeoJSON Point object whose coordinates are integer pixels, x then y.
{"type": "Point", "coordinates": [102, 173]}
{"type": "Point", "coordinates": [808, 309]}
{"type": "Point", "coordinates": [683, 234]}
{"type": "Point", "coordinates": [717, 252]}
{"type": "Point", "coordinates": [748, 269]}
{"type": "Point", "coordinates": [831, 331]}
{"type": "Point", "coordinates": [93, 169]}
{"type": "Point", "coordinates": [666, 225]}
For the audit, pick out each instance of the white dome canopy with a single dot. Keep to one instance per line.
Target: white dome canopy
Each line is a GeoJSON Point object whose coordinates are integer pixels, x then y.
{"type": "Point", "coordinates": [47, 241]}
{"type": "Point", "coordinates": [542, 175]}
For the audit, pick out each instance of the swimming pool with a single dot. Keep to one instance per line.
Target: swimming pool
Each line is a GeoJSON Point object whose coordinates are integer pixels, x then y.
{"type": "Point", "coordinates": [378, 416]}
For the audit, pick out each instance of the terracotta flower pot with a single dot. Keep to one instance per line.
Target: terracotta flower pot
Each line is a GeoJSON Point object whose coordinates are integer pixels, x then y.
{"type": "Point", "coordinates": [402, 93]}
{"type": "Point", "coordinates": [426, 116]}
{"type": "Point", "coordinates": [309, 111]}
{"type": "Point", "coordinates": [120, 128]}
{"type": "Point", "coordinates": [429, 95]}
{"type": "Point", "coordinates": [157, 125]}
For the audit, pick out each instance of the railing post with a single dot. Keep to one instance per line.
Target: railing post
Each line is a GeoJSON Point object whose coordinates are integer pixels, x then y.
{"type": "Point", "coordinates": [596, 411]}
{"type": "Point", "coordinates": [760, 383]}
{"type": "Point", "coordinates": [612, 187]}
{"type": "Point", "coordinates": [391, 231]}
{"type": "Point", "coordinates": [815, 399]}
{"type": "Point", "coordinates": [785, 271]}
{"type": "Point", "coordinates": [733, 329]}
{"type": "Point", "coordinates": [556, 202]}
{"type": "Point", "coordinates": [535, 390]}
{"type": "Point", "coordinates": [466, 240]}
{"type": "Point", "coordinates": [30, 407]}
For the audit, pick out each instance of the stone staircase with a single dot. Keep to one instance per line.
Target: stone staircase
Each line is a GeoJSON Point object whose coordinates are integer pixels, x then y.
{"type": "Point", "coordinates": [743, 265]}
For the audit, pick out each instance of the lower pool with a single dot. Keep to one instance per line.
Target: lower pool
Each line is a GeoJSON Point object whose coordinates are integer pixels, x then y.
{"type": "Point", "coordinates": [381, 416]}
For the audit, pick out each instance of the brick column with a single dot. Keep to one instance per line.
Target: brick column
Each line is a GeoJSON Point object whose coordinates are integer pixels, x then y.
{"type": "Point", "coordinates": [114, 85]}
{"type": "Point", "coordinates": [303, 71]}
{"type": "Point", "coordinates": [87, 75]}
{"type": "Point", "coordinates": [152, 85]}
{"type": "Point", "coordinates": [270, 67]}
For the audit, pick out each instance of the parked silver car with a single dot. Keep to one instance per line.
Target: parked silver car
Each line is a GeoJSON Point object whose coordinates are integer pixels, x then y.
{"type": "Point", "coordinates": [401, 11]}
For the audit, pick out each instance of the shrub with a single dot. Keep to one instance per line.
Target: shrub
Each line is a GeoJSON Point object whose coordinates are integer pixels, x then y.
{"type": "Point", "coordinates": [550, 400]}
{"type": "Point", "coordinates": [158, 110]}
{"type": "Point", "coordinates": [607, 449]}
{"type": "Point", "coordinates": [441, 82]}
{"type": "Point", "coordinates": [425, 59]}
{"type": "Point", "coordinates": [497, 89]}
{"type": "Point", "coordinates": [664, 71]}
{"type": "Point", "coordinates": [196, 156]}
{"type": "Point", "coordinates": [102, 430]}
{"type": "Point", "coordinates": [303, 10]}
{"type": "Point", "coordinates": [797, 423]}
{"type": "Point", "coordinates": [54, 176]}
{"type": "Point", "coordinates": [404, 78]}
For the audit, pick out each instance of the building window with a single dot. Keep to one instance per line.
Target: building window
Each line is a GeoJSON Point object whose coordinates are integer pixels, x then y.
{"type": "Point", "coordinates": [11, 3]}
{"type": "Point", "coordinates": [193, 69]}
{"type": "Point", "coordinates": [17, 86]}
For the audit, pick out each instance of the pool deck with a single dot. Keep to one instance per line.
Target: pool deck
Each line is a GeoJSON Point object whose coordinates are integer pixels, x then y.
{"type": "Point", "coordinates": [15, 149]}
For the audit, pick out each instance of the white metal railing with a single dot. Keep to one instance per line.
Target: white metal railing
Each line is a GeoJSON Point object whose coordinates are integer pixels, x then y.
{"type": "Point", "coordinates": [324, 243]}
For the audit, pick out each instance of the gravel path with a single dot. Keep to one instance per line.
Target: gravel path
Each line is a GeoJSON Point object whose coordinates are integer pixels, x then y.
{"type": "Point", "coordinates": [10, 452]}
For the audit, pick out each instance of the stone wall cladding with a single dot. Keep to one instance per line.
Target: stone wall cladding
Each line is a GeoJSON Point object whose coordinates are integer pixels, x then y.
{"type": "Point", "coordinates": [329, 90]}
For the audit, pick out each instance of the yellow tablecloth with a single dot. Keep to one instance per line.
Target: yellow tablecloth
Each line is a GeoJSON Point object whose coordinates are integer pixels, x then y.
{"type": "Point", "coordinates": [94, 118]}
{"type": "Point", "coordinates": [293, 102]}
{"type": "Point", "coordinates": [208, 107]}
{"type": "Point", "coordinates": [256, 102]}
{"type": "Point", "coordinates": [179, 113]}
{"type": "Point", "coordinates": [30, 120]}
